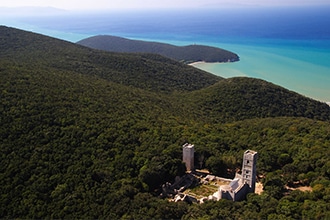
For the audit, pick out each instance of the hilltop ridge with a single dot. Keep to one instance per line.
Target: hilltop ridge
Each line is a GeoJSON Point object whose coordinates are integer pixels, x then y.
{"type": "Point", "coordinates": [241, 98]}
{"type": "Point", "coordinates": [147, 71]}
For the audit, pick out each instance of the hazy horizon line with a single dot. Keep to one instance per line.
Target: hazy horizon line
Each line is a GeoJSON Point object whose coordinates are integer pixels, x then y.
{"type": "Point", "coordinates": [35, 10]}
{"type": "Point", "coordinates": [206, 6]}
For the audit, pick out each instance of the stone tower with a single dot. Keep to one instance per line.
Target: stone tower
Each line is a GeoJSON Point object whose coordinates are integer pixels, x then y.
{"type": "Point", "coordinates": [249, 169]}
{"type": "Point", "coordinates": [188, 156]}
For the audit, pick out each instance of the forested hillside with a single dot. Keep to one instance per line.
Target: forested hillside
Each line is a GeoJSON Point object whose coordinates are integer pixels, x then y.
{"type": "Point", "coordinates": [81, 139]}
{"type": "Point", "coordinates": [242, 98]}
{"type": "Point", "coordinates": [186, 54]}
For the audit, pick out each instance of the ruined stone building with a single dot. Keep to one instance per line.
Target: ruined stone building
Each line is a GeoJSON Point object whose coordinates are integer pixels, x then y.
{"type": "Point", "coordinates": [249, 169]}
{"type": "Point", "coordinates": [236, 189]}
{"type": "Point", "coordinates": [243, 183]}
{"type": "Point", "coordinates": [188, 156]}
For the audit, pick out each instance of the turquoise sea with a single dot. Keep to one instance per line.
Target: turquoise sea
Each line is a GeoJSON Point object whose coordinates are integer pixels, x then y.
{"type": "Point", "coordinates": [286, 46]}
{"type": "Point", "coordinates": [304, 70]}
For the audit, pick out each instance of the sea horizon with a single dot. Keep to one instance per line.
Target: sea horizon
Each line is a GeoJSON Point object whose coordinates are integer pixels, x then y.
{"type": "Point", "coordinates": [289, 47]}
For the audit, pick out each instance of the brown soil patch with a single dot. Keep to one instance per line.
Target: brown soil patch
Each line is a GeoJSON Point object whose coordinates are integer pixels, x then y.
{"type": "Point", "coordinates": [259, 189]}
{"type": "Point", "coordinates": [301, 188]}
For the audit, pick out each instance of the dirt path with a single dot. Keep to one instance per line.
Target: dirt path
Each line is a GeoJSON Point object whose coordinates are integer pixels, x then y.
{"type": "Point", "coordinates": [301, 188]}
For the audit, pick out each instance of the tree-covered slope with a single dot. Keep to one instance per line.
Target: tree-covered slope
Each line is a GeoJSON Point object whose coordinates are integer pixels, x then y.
{"type": "Point", "coordinates": [69, 141]}
{"type": "Point", "coordinates": [292, 152]}
{"type": "Point", "coordinates": [187, 54]}
{"type": "Point", "coordinates": [147, 71]}
{"type": "Point", "coordinates": [76, 142]}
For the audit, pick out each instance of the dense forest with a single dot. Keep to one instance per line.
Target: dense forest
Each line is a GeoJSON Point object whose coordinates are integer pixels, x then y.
{"type": "Point", "coordinates": [186, 54]}
{"type": "Point", "coordinates": [92, 134]}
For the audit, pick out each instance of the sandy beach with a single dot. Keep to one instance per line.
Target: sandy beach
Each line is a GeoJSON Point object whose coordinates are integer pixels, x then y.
{"type": "Point", "coordinates": [196, 63]}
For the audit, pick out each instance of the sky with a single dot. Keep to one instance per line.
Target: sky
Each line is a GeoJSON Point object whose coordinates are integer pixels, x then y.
{"type": "Point", "coordinates": [135, 4]}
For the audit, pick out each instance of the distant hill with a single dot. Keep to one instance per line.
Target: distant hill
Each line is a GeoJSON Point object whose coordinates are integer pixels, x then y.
{"type": "Point", "coordinates": [187, 54]}
{"type": "Point", "coordinates": [92, 134]}
{"type": "Point", "coordinates": [241, 98]}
